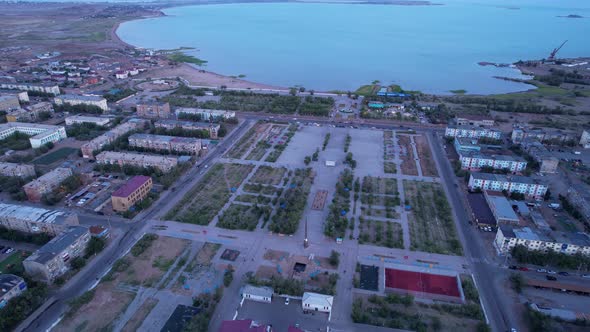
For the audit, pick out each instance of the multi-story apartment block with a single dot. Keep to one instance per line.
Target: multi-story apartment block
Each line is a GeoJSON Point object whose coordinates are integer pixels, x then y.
{"type": "Point", "coordinates": [99, 142]}
{"type": "Point", "coordinates": [46, 183]}
{"type": "Point", "coordinates": [18, 170]}
{"type": "Point", "coordinates": [472, 132]}
{"type": "Point", "coordinates": [41, 133]}
{"type": "Point", "coordinates": [154, 110]}
{"type": "Point", "coordinates": [466, 144]}
{"type": "Point", "coordinates": [31, 219]}
{"type": "Point", "coordinates": [97, 120]}
{"type": "Point", "coordinates": [97, 101]}
{"type": "Point", "coordinates": [30, 113]}
{"type": "Point", "coordinates": [51, 260]}
{"type": "Point", "coordinates": [11, 286]}
{"type": "Point", "coordinates": [476, 160]}
{"type": "Point", "coordinates": [548, 163]}
{"type": "Point", "coordinates": [585, 139]}
{"type": "Point", "coordinates": [212, 128]}
{"type": "Point", "coordinates": [136, 189]}
{"type": "Point", "coordinates": [206, 115]}
{"type": "Point", "coordinates": [509, 237]}
{"type": "Point", "coordinates": [579, 196]}
{"type": "Point", "coordinates": [542, 135]}
{"type": "Point", "coordinates": [162, 163]}
{"type": "Point", "coordinates": [23, 96]}
{"type": "Point", "coordinates": [474, 120]}
{"type": "Point", "coordinates": [9, 103]}
{"type": "Point", "coordinates": [515, 183]}
{"type": "Point", "coordinates": [166, 143]}
{"type": "Point", "coordinates": [52, 89]}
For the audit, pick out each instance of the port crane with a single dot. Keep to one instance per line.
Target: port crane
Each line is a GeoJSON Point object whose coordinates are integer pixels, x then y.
{"type": "Point", "coordinates": [554, 52]}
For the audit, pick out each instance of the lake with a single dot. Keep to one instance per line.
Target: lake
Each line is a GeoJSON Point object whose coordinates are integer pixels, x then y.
{"type": "Point", "coordinates": [323, 46]}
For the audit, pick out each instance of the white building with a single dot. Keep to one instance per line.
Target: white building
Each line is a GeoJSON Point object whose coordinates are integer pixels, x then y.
{"type": "Point", "coordinates": [259, 294]}
{"type": "Point", "coordinates": [472, 132]}
{"type": "Point", "coordinates": [509, 237]}
{"type": "Point", "coordinates": [43, 88]}
{"type": "Point", "coordinates": [317, 302]}
{"type": "Point", "coordinates": [515, 183]}
{"type": "Point", "coordinates": [206, 115]}
{"type": "Point", "coordinates": [474, 160]}
{"type": "Point", "coordinates": [73, 100]}
{"type": "Point", "coordinates": [585, 139]}
{"type": "Point", "coordinates": [162, 163]}
{"type": "Point", "coordinates": [99, 121]}
{"type": "Point", "coordinates": [41, 133]}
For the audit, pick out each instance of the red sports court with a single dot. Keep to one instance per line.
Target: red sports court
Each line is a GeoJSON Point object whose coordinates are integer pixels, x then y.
{"type": "Point", "coordinates": [422, 282]}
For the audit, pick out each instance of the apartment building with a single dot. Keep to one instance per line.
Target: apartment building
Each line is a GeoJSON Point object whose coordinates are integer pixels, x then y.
{"type": "Point", "coordinates": [30, 113]}
{"type": "Point", "coordinates": [18, 170]}
{"type": "Point", "coordinates": [11, 286]}
{"type": "Point", "coordinates": [52, 89]}
{"type": "Point", "coordinates": [509, 237]}
{"type": "Point", "coordinates": [466, 144]}
{"type": "Point", "coordinates": [136, 189]}
{"type": "Point", "coordinates": [51, 260]}
{"type": "Point", "coordinates": [204, 114]}
{"type": "Point", "coordinates": [46, 183]}
{"type": "Point", "coordinates": [78, 119]}
{"type": "Point", "coordinates": [548, 163]}
{"type": "Point", "coordinates": [166, 143]}
{"type": "Point", "coordinates": [23, 96]}
{"type": "Point", "coordinates": [110, 136]}
{"type": "Point", "coordinates": [9, 103]}
{"type": "Point", "coordinates": [541, 135]}
{"type": "Point", "coordinates": [474, 120]}
{"type": "Point", "coordinates": [212, 128]}
{"type": "Point", "coordinates": [475, 160]}
{"type": "Point", "coordinates": [513, 183]}
{"type": "Point", "coordinates": [73, 100]}
{"type": "Point", "coordinates": [579, 196]}
{"type": "Point", "coordinates": [31, 219]}
{"type": "Point", "coordinates": [472, 132]}
{"type": "Point", "coordinates": [154, 110]}
{"type": "Point", "coordinates": [162, 163]}
{"type": "Point", "coordinates": [40, 133]}
{"type": "Point", "coordinates": [585, 139]}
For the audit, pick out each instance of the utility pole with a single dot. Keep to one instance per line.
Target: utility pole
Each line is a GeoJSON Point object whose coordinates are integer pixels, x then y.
{"type": "Point", "coordinates": [305, 242]}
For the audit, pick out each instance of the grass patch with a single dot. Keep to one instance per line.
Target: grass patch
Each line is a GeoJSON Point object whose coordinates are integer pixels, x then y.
{"type": "Point", "coordinates": [384, 234]}
{"type": "Point", "coordinates": [54, 156]}
{"type": "Point", "coordinates": [292, 203]}
{"type": "Point", "coordinates": [11, 261]}
{"type": "Point", "coordinates": [267, 175]}
{"type": "Point", "coordinates": [181, 57]}
{"type": "Point", "coordinates": [243, 217]}
{"type": "Point", "coordinates": [389, 167]}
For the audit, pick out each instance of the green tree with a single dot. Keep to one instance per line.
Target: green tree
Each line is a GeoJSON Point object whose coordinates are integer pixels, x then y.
{"type": "Point", "coordinates": [95, 245]}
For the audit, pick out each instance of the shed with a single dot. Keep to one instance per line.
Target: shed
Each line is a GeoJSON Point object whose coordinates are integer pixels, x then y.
{"type": "Point", "coordinates": [317, 302]}
{"type": "Point", "coordinates": [259, 294]}
{"type": "Point", "coordinates": [330, 163]}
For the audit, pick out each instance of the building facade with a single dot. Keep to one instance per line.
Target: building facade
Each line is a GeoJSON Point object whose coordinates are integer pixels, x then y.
{"type": "Point", "coordinates": [51, 260]}
{"type": "Point", "coordinates": [46, 183]}
{"type": "Point", "coordinates": [99, 142]}
{"type": "Point", "coordinates": [212, 128]}
{"type": "Point", "coordinates": [136, 189]}
{"type": "Point", "coordinates": [317, 302]}
{"type": "Point", "coordinates": [18, 170]}
{"type": "Point", "coordinates": [542, 135]}
{"type": "Point", "coordinates": [11, 286]}
{"type": "Point", "coordinates": [497, 182]}
{"type": "Point", "coordinates": [91, 100]}
{"type": "Point", "coordinates": [585, 139]}
{"type": "Point", "coordinates": [78, 119]}
{"type": "Point", "coordinates": [476, 161]}
{"type": "Point", "coordinates": [9, 103]}
{"type": "Point", "coordinates": [475, 120]}
{"type": "Point", "coordinates": [258, 294]}
{"type": "Point", "coordinates": [162, 163]}
{"type": "Point", "coordinates": [154, 110]}
{"type": "Point", "coordinates": [206, 115]}
{"type": "Point", "coordinates": [35, 220]}
{"type": "Point", "coordinates": [466, 144]}
{"type": "Point", "coordinates": [472, 132]}
{"type": "Point", "coordinates": [166, 143]}
{"type": "Point", "coordinates": [43, 88]}
{"type": "Point", "coordinates": [509, 237]}
{"type": "Point", "coordinates": [40, 133]}
{"type": "Point", "coordinates": [579, 196]}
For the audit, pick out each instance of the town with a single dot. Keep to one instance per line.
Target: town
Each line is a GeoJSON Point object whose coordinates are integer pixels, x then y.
{"type": "Point", "coordinates": [134, 197]}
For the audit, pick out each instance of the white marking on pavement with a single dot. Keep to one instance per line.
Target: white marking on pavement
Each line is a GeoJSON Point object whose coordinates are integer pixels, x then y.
{"type": "Point", "coordinates": [480, 301]}
{"type": "Point", "coordinates": [54, 324]}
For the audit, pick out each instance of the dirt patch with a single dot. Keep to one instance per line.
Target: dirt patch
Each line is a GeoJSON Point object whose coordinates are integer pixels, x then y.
{"type": "Point", "coordinates": [319, 200]}
{"type": "Point", "coordinates": [230, 255]}
{"type": "Point", "coordinates": [137, 319]}
{"type": "Point", "coordinates": [427, 163]}
{"type": "Point", "coordinates": [267, 175]}
{"type": "Point", "coordinates": [275, 255]}
{"type": "Point", "coordinates": [267, 272]}
{"type": "Point", "coordinates": [408, 165]}
{"type": "Point", "coordinates": [206, 253]}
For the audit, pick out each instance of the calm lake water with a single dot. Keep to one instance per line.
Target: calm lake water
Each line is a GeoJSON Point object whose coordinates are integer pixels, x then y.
{"type": "Point", "coordinates": [343, 46]}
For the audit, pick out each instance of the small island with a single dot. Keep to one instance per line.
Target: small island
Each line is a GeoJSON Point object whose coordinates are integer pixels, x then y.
{"type": "Point", "coordinates": [572, 16]}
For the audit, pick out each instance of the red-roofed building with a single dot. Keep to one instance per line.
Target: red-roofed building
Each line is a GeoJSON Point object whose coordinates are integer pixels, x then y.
{"type": "Point", "coordinates": [136, 189]}
{"type": "Point", "coordinates": [244, 325]}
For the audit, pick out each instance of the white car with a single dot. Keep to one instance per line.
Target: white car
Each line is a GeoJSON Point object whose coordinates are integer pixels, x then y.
{"type": "Point", "coordinates": [287, 301]}
{"type": "Point", "coordinates": [586, 276]}
{"type": "Point", "coordinates": [542, 270]}
{"type": "Point", "coordinates": [551, 272]}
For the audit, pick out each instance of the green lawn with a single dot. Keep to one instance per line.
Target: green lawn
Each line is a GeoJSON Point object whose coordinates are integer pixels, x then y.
{"type": "Point", "coordinates": [54, 156]}
{"type": "Point", "coordinates": [15, 258]}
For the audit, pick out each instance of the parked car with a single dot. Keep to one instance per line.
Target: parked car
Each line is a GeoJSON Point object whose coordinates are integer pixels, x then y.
{"type": "Point", "coordinates": [542, 270]}
{"type": "Point", "coordinates": [563, 273]}
{"type": "Point", "coordinates": [287, 301]}
{"type": "Point", "coordinates": [513, 267]}
{"type": "Point", "coordinates": [5, 251]}
{"type": "Point", "coordinates": [552, 278]}
{"type": "Point", "coordinates": [551, 272]}
{"type": "Point", "coordinates": [586, 276]}
{"type": "Point", "coordinates": [9, 250]}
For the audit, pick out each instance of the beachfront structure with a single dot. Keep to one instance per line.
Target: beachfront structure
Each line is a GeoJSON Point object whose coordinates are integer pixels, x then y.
{"type": "Point", "coordinates": [476, 160]}
{"type": "Point", "coordinates": [474, 120]}
{"type": "Point", "coordinates": [166, 143]}
{"type": "Point", "coordinates": [552, 135]}
{"type": "Point", "coordinates": [9, 103]}
{"type": "Point", "coordinates": [18, 170]}
{"type": "Point", "coordinates": [212, 128]}
{"type": "Point", "coordinates": [46, 183]}
{"type": "Point", "coordinates": [162, 163]}
{"type": "Point", "coordinates": [509, 237]}
{"type": "Point", "coordinates": [514, 183]}
{"type": "Point", "coordinates": [78, 119]}
{"type": "Point", "coordinates": [51, 260]}
{"type": "Point", "coordinates": [73, 100]}
{"type": "Point", "coordinates": [11, 286]}
{"type": "Point", "coordinates": [153, 110]}
{"type": "Point", "coordinates": [204, 114]}
{"type": "Point", "coordinates": [51, 89]}
{"type": "Point", "coordinates": [472, 132]}
{"type": "Point", "coordinates": [136, 189]}
{"type": "Point", "coordinates": [41, 133]}
{"type": "Point", "coordinates": [31, 219]}
{"type": "Point", "coordinates": [88, 149]}
{"type": "Point", "coordinates": [466, 144]}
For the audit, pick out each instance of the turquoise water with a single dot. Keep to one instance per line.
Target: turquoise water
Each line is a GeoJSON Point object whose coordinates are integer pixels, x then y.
{"type": "Point", "coordinates": [343, 46]}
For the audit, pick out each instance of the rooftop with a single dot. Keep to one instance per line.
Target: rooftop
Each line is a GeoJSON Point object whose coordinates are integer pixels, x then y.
{"type": "Point", "coordinates": [130, 156]}
{"type": "Point", "coordinates": [318, 299]}
{"type": "Point", "coordinates": [180, 123]}
{"type": "Point", "coordinates": [29, 213]}
{"type": "Point", "coordinates": [244, 325]}
{"type": "Point", "coordinates": [58, 244]}
{"type": "Point", "coordinates": [131, 186]}
{"type": "Point", "coordinates": [163, 138]}
{"type": "Point", "coordinates": [8, 282]}
{"type": "Point", "coordinates": [480, 155]}
{"type": "Point", "coordinates": [525, 233]}
{"type": "Point", "coordinates": [81, 97]}
{"type": "Point", "coordinates": [480, 209]}
{"type": "Point", "coordinates": [257, 291]}
{"type": "Point", "coordinates": [468, 127]}
{"type": "Point", "coordinates": [474, 117]}
{"type": "Point", "coordinates": [504, 178]}
{"type": "Point", "coordinates": [502, 207]}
